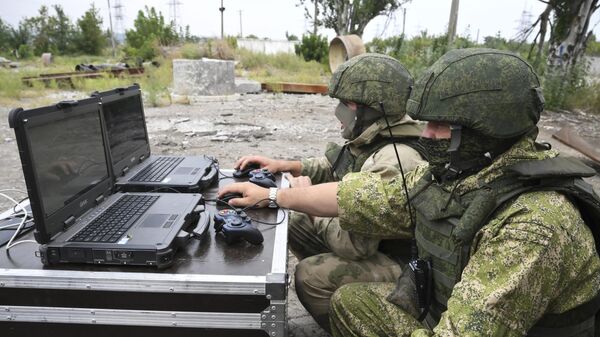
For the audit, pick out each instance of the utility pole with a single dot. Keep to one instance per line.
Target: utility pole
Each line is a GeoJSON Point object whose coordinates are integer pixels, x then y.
{"type": "Point", "coordinates": [403, 21]}
{"type": "Point", "coordinates": [241, 35]}
{"type": "Point", "coordinates": [222, 9]}
{"type": "Point", "coordinates": [174, 9]}
{"type": "Point", "coordinates": [452, 22]}
{"type": "Point", "coordinates": [112, 34]}
{"type": "Point", "coordinates": [316, 18]}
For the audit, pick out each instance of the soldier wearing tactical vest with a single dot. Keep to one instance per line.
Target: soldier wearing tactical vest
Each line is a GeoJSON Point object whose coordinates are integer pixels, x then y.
{"type": "Point", "coordinates": [329, 255]}
{"type": "Point", "coordinates": [506, 230]}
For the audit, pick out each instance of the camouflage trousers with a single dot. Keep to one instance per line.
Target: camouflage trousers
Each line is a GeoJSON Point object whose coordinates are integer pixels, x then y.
{"type": "Point", "coordinates": [361, 309]}
{"type": "Point", "coordinates": [331, 257]}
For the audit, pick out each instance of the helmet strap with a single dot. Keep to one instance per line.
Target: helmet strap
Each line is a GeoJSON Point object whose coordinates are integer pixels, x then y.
{"type": "Point", "coordinates": [456, 167]}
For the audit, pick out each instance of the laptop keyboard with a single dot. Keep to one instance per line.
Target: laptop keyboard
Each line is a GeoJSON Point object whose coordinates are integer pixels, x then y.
{"type": "Point", "coordinates": [115, 220]}
{"type": "Point", "coordinates": [158, 169]}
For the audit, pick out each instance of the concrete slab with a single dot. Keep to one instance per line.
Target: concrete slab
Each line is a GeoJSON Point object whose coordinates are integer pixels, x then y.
{"type": "Point", "coordinates": [246, 86]}
{"type": "Point", "coordinates": [203, 77]}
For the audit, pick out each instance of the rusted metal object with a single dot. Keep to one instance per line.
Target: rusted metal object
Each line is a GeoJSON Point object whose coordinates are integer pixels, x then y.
{"type": "Point", "coordinates": [344, 47]}
{"type": "Point", "coordinates": [294, 88]}
{"type": "Point", "coordinates": [570, 138]}
{"type": "Point", "coordinates": [67, 78]}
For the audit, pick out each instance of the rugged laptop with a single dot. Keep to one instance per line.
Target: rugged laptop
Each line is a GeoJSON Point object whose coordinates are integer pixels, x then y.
{"type": "Point", "coordinates": [78, 218]}
{"type": "Point", "coordinates": [132, 165]}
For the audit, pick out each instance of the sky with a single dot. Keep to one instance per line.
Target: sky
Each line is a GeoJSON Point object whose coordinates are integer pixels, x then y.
{"type": "Point", "coordinates": [273, 18]}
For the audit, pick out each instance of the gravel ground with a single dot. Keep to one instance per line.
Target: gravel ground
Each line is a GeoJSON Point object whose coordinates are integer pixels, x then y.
{"type": "Point", "coordinates": [274, 125]}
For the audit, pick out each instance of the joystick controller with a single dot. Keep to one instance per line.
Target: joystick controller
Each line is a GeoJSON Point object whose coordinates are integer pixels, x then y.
{"type": "Point", "coordinates": [263, 178]}
{"type": "Point", "coordinates": [235, 226]}
{"type": "Point", "coordinates": [244, 173]}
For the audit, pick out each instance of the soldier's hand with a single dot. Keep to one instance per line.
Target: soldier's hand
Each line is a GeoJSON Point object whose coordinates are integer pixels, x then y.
{"type": "Point", "coordinates": [300, 181]}
{"type": "Point", "coordinates": [267, 163]}
{"type": "Point", "coordinates": [252, 195]}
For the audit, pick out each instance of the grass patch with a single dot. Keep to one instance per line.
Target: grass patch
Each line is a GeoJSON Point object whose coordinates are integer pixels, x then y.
{"type": "Point", "coordinates": [156, 81]}
{"type": "Point", "coordinates": [280, 67]}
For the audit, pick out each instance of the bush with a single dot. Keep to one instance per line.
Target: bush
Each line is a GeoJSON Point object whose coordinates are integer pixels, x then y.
{"type": "Point", "coordinates": [313, 47]}
{"type": "Point", "coordinates": [191, 51]}
{"type": "Point", "coordinates": [25, 51]}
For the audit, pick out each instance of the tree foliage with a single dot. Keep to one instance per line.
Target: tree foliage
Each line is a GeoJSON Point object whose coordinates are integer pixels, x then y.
{"type": "Point", "coordinates": [90, 37]}
{"type": "Point", "coordinates": [313, 47]}
{"type": "Point", "coordinates": [150, 32]}
{"type": "Point", "coordinates": [350, 16]}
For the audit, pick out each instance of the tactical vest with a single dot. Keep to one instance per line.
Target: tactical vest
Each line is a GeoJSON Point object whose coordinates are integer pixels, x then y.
{"type": "Point", "coordinates": [343, 161]}
{"type": "Point", "coordinates": [447, 224]}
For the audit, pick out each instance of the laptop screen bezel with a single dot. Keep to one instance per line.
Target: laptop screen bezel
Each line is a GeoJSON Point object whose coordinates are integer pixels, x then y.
{"type": "Point", "coordinates": [48, 226]}
{"type": "Point", "coordinates": [143, 151]}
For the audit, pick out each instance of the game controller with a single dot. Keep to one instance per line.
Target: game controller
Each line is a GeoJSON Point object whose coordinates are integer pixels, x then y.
{"type": "Point", "coordinates": [244, 173]}
{"type": "Point", "coordinates": [262, 177]}
{"type": "Point", "coordinates": [235, 226]}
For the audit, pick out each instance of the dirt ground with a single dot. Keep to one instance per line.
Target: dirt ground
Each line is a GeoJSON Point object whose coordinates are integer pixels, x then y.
{"type": "Point", "coordinates": [274, 125]}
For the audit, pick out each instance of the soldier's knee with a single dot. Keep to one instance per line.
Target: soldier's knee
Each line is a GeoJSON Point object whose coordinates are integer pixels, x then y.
{"type": "Point", "coordinates": [339, 299]}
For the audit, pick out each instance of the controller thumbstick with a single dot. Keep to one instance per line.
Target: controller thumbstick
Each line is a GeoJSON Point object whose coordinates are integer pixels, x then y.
{"type": "Point", "coordinates": [236, 222]}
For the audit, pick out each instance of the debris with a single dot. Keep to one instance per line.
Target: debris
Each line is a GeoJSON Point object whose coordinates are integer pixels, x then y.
{"type": "Point", "coordinates": [570, 137]}
{"type": "Point", "coordinates": [180, 120]}
{"type": "Point", "coordinates": [47, 59]}
{"type": "Point", "coordinates": [227, 114]}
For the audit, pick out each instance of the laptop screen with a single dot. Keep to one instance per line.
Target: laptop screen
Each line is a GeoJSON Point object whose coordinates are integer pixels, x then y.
{"type": "Point", "coordinates": [125, 126]}
{"type": "Point", "coordinates": [68, 156]}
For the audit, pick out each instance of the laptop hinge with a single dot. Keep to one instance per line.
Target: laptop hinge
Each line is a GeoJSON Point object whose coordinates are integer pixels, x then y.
{"type": "Point", "coordinates": [125, 170]}
{"type": "Point", "coordinates": [100, 199]}
{"type": "Point", "coordinates": [70, 220]}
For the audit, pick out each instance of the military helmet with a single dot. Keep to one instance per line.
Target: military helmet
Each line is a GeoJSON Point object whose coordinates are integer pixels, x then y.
{"type": "Point", "coordinates": [493, 92]}
{"type": "Point", "coordinates": [369, 79]}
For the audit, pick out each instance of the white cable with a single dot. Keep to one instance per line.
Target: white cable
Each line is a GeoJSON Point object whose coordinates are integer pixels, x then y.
{"type": "Point", "coordinates": [12, 190]}
{"type": "Point", "coordinates": [9, 245]}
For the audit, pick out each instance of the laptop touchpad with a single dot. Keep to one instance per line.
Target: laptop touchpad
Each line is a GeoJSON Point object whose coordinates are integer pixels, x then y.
{"type": "Point", "coordinates": [155, 220]}
{"type": "Point", "coordinates": [183, 170]}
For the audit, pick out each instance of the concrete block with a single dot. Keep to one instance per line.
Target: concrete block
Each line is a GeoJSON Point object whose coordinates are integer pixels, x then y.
{"type": "Point", "coordinates": [203, 77]}
{"type": "Point", "coordinates": [245, 86]}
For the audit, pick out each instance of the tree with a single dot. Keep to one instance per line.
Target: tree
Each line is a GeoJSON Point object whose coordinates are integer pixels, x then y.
{"type": "Point", "coordinates": [61, 31]}
{"type": "Point", "coordinates": [150, 31]}
{"type": "Point", "coordinates": [90, 37]}
{"type": "Point", "coordinates": [19, 40]}
{"type": "Point", "coordinates": [313, 47]}
{"type": "Point", "coordinates": [39, 28]}
{"type": "Point", "coordinates": [351, 16]}
{"type": "Point", "coordinates": [569, 31]}
{"type": "Point", "coordinates": [5, 31]}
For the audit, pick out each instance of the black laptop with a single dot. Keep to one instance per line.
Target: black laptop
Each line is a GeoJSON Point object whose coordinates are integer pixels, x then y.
{"type": "Point", "coordinates": [78, 218]}
{"type": "Point", "coordinates": [132, 165]}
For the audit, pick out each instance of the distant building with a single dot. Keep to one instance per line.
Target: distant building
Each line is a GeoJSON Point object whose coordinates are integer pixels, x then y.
{"type": "Point", "coordinates": [268, 46]}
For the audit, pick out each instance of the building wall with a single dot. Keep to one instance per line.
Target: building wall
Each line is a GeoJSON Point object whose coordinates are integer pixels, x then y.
{"type": "Point", "coordinates": [267, 46]}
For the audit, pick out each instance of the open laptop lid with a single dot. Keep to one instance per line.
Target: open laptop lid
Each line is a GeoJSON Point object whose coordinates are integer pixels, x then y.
{"type": "Point", "coordinates": [64, 162]}
{"type": "Point", "coordinates": [125, 127]}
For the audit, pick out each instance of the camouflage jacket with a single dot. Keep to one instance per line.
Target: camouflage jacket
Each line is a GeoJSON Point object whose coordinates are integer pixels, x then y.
{"type": "Point", "coordinates": [382, 162]}
{"type": "Point", "coordinates": [535, 255]}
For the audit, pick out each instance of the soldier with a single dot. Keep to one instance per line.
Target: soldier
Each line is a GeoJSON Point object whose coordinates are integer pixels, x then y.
{"type": "Point", "coordinates": [329, 255]}
{"type": "Point", "coordinates": [504, 227]}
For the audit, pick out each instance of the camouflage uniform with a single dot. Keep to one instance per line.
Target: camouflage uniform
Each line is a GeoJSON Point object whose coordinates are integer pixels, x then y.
{"type": "Point", "coordinates": [535, 256]}
{"type": "Point", "coordinates": [330, 256]}
{"type": "Point", "coordinates": [531, 259]}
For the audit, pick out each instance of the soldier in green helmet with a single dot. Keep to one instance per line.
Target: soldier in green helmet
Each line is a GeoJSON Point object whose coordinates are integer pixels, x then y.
{"type": "Point", "coordinates": [506, 232]}
{"type": "Point", "coordinates": [330, 256]}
